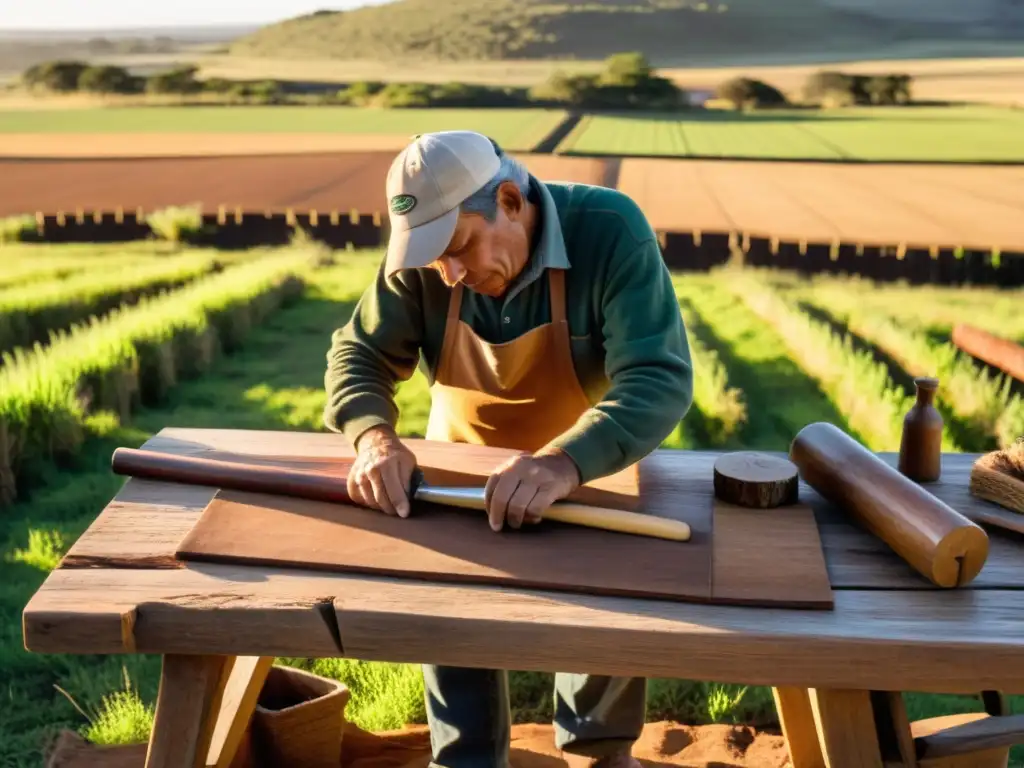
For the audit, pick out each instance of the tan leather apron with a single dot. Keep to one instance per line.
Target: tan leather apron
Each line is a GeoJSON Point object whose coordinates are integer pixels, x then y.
{"type": "Point", "coordinates": [520, 394]}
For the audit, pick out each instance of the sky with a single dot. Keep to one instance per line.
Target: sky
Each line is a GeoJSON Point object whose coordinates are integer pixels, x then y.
{"type": "Point", "coordinates": [96, 14]}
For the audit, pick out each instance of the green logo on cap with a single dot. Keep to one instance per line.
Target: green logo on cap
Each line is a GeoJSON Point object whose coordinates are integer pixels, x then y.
{"type": "Point", "coordinates": [402, 204]}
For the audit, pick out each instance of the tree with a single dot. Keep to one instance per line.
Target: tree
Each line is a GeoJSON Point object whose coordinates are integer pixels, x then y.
{"type": "Point", "coordinates": [744, 92]}
{"type": "Point", "coordinates": [180, 80]}
{"type": "Point", "coordinates": [106, 79]}
{"type": "Point", "coordinates": [628, 69]}
{"type": "Point", "coordinates": [60, 76]}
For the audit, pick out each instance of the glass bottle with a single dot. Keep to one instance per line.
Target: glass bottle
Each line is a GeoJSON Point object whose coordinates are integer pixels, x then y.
{"type": "Point", "coordinates": [921, 443]}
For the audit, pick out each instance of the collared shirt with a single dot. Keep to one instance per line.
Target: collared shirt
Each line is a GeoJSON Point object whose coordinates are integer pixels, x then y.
{"type": "Point", "coordinates": [629, 346]}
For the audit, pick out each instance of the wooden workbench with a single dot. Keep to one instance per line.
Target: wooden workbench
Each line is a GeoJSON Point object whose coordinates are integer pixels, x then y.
{"type": "Point", "coordinates": [119, 590]}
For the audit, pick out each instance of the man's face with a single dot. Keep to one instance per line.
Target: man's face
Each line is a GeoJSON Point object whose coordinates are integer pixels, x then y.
{"type": "Point", "coordinates": [486, 256]}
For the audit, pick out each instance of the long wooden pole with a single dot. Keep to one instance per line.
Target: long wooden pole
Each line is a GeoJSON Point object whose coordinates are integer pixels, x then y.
{"type": "Point", "coordinates": [1000, 353]}
{"type": "Point", "coordinates": [320, 486]}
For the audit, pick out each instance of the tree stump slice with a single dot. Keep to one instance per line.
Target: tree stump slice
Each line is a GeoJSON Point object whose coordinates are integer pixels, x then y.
{"type": "Point", "coordinates": [756, 480]}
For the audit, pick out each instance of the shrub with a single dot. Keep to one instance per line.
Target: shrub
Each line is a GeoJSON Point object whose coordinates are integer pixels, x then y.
{"type": "Point", "coordinates": [626, 82]}
{"type": "Point", "coordinates": [176, 224]}
{"type": "Point", "coordinates": [832, 88]}
{"type": "Point", "coordinates": [59, 76]}
{"type": "Point", "coordinates": [108, 79]}
{"type": "Point", "coordinates": [181, 80]}
{"type": "Point", "coordinates": [746, 93]}
{"type": "Point", "coordinates": [15, 228]}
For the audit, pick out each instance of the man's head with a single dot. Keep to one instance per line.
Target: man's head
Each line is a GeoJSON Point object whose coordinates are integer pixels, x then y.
{"type": "Point", "coordinates": [459, 205]}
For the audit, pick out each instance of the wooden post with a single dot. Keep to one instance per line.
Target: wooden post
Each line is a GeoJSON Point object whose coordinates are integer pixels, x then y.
{"type": "Point", "coordinates": [353, 216]}
{"type": "Point", "coordinates": [334, 218]}
{"type": "Point", "coordinates": [845, 722]}
{"type": "Point", "coordinates": [313, 218]}
{"type": "Point", "coordinates": [187, 702]}
{"type": "Point", "coordinates": [798, 727]}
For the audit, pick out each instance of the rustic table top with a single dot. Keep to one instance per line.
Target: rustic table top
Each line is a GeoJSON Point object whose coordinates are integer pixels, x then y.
{"type": "Point", "coordinates": [119, 590]}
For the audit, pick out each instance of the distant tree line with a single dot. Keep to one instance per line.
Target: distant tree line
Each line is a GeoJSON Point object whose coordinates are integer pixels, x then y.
{"type": "Point", "coordinates": [839, 89]}
{"type": "Point", "coordinates": [626, 81]}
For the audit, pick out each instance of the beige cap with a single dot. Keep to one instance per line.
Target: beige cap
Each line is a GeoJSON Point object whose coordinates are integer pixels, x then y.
{"type": "Point", "coordinates": [427, 182]}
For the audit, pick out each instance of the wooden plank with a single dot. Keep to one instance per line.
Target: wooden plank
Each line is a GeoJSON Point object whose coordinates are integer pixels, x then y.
{"type": "Point", "coordinates": [238, 612]}
{"type": "Point", "coordinates": [443, 544]}
{"type": "Point", "coordinates": [943, 641]}
{"type": "Point", "coordinates": [148, 520]}
{"type": "Point", "coordinates": [764, 556]}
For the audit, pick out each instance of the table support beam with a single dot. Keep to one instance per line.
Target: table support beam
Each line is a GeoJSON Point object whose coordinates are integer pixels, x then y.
{"type": "Point", "coordinates": [798, 727]}
{"type": "Point", "coordinates": [845, 722]}
{"type": "Point", "coordinates": [187, 707]}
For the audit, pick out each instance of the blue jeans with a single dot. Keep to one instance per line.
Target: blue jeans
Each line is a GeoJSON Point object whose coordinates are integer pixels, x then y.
{"type": "Point", "coordinates": [470, 722]}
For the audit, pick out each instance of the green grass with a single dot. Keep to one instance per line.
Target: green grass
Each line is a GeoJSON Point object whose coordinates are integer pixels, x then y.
{"type": "Point", "coordinates": [516, 129]}
{"type": "Point", "coordinates": [32, 315]}
{"type": "Point", "coordinates": [948, 134]}
{"type": "Point", "coordinates": [25, 263]}
{"type": "Point", "coordinates": [273, 379]}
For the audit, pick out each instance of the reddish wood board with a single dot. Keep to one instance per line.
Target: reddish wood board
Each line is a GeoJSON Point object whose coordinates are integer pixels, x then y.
{"type": "Point", "coordinates": [754, 557]}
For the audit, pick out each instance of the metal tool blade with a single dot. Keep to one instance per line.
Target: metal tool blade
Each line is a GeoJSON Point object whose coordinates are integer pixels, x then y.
{"type": "Point", "coordinates": [468, 498]}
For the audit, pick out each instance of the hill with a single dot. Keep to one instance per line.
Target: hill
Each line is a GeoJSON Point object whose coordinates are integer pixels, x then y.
{"type": "Point", "coordinates": [668, 32]}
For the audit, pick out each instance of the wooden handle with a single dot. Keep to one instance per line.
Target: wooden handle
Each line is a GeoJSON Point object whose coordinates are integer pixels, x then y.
{"type": "Point", "coordinates": [617, 520]}
{"type": "Point", "coordinates": [935, 539]}
{"type": "Point", "coordinates": [260, 478]}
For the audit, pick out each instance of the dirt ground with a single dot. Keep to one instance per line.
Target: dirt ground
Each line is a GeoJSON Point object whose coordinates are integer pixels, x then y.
{"type": "Point", "coordinates": [318, 181]}
{"type": "Point", "coordinates": [662, 745]}
{"type": "Point", "coordinates": [972, 206]}
{"type": "Point", "coordinates": [56, 145]}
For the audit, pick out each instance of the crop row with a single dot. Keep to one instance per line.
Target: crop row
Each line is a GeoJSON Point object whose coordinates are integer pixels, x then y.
{"type": "Point", "coordinates": [721, 408]}
{"type": "Point", "coordinates": [31, 314]}
{"type": "Point", "coordinates": [22, 265]}
{"type": "Point", "coordinates": [872, 404]}
{"type": "Point", "coordinates": [133, 356]}
{"type": "Point", "coordinates": [990, 413]}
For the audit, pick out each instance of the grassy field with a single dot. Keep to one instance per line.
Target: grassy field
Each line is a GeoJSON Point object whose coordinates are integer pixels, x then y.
{"type": "Point", "coordinates": [514, 128]}
{"type": "Point", "coordinates": [961, 134]}
{"type": "Point", "coordinates": [767, 362]}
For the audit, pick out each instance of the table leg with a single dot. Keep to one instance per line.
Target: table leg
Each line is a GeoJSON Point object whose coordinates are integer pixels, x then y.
{"type": "Point", "coordinates": [798, 727]}
{"type": "Point", "coordinates": [186, 707]}
{"type": "Point", "coordinates": [244, 681]}
{"type": "Point", "coordinates": [845, 722]}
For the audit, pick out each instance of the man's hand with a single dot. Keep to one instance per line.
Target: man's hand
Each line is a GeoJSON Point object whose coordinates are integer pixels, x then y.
{"type": "Point", "coordinates": [523, 487]}
{"type": "Point", "coordinates": [382, 471]}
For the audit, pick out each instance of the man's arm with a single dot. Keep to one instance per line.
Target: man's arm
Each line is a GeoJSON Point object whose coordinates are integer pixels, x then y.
{"type": "Point", "coordinates": [376, 349]}
{"type": "Point", "coordinates": [647, 361]}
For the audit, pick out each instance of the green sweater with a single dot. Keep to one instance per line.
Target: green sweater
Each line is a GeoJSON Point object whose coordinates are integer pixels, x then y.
{"type": "Point", "coordinates": [629, 345]}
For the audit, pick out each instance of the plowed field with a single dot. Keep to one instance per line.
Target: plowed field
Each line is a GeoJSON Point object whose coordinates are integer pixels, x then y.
{"type": "Point", "coordinates": [336, 181]}
{"type": "Point", "coordinates": [972, 206]}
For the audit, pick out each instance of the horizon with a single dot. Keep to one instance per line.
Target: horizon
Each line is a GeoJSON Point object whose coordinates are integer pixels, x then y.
{"type": "Point", "coordinates": [119, 15]}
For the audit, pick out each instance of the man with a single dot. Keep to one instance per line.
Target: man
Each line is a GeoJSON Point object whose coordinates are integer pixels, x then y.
{"type": "Point", "coordinates": [546, 322]}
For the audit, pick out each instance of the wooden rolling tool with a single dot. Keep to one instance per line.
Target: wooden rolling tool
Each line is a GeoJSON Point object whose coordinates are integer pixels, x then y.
{"type": "Point", "coordinates": [757, 480]}
{"type": "Point", "coordinates": [322, 486]}
{"type": "Point", "coordinates": [935, 539]}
